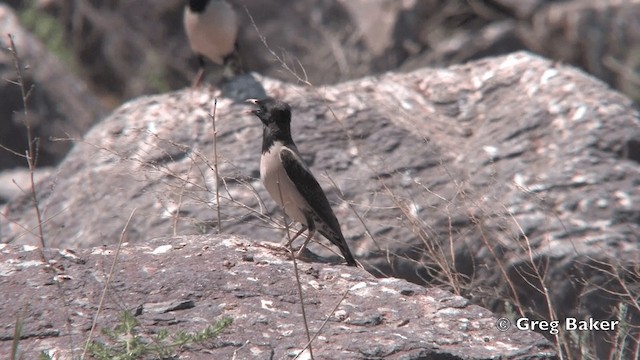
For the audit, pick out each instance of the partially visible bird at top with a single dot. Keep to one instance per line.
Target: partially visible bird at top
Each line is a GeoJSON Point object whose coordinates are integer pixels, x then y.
{"type": "Point", "coordinates": [290, 182]}
{"type": "Point", "coordinates": [212, 30]}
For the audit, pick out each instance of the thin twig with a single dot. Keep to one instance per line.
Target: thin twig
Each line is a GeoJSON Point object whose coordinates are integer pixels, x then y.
{"type": "Point", "coordinates": [27, 230]}
{"type": "Point", "coordinates": [263, 39]}
{"type": "Point", "coordinates": [176, 216]}
{"type": "Point", "coordinates": [215, 161]}
{"type": "Point", "coordinates": [544, 290]}
{"type": "Point", "coordinates": [106, 285]}
{"type": "Point", "coordinates": [297, 274]}
{"type": "Point", "coordinates": [10, 150]}
{"type": "Point", "coordinates": [32, 151]}
{"type": "Point", "coordinates": [308, 344]}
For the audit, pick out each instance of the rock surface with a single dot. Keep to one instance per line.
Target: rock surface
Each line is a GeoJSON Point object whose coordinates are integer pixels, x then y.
{"type": "Point", "coordinates": [187, 283]}
{"type": "Point", "coordinates": [475, 176]}
{"type": "Point", "coordinates": [601, 37]}
{"type": "Point", "coordinates": [17, 181]}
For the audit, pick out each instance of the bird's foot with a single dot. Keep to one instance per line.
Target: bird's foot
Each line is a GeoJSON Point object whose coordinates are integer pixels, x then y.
{"type": "Point", "coordinates": [302, 253]}
{"type": "Point", "coordinates": [274, 246]}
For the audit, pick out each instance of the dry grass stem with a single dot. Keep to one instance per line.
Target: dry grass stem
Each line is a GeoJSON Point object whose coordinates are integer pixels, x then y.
{"type": "Point", "coordinates": [107, 282]}
{"type": "Point", "coordinates": [215, 162]}
{"type": "Point", "coordinates": [296, 273]}
{"type": "Point", "coordinates": [31, 154]}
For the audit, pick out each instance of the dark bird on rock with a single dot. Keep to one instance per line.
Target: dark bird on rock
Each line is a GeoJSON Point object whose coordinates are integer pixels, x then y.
{"type": "Point", "coordinates": [290, 182]}
{"type": "Point", "coordinates": [212, 30]}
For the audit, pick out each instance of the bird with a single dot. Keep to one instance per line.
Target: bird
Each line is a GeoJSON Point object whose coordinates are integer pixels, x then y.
{"type": "Point", "coordinates": [212, 31]}
{"type": "Point", "coordinates": [289, 181]}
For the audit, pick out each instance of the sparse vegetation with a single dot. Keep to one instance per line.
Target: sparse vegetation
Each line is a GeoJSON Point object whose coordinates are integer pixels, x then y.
{"type": "Point", "coordinates": [49, 30]}
{"type": "Point", "coordinates": [126, 341]}
{"type": "Point", "coordinates": [156, 74]}
{"type": "Point", "coordinates": [17, 334]}
{"type": "Point", "coordinates": [31, 153]}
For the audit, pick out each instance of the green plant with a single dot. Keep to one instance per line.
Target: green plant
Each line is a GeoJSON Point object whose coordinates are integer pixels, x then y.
{"type": "Point", "coordinates": [126, 342]}
{"type": "Point", "coordinates": [49, 30]}
{"type": "Point", "coordinates": [17, 333]}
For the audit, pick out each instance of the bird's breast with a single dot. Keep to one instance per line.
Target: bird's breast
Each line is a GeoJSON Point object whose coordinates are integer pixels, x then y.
{"type": "Point", "coordinates": [213, 32]}
{"type": "Point", "coordinates": [279, 185]}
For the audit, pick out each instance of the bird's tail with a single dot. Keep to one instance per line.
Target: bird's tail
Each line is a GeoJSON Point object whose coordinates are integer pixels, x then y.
{"type": "Point", "coordinates": [339, 241]}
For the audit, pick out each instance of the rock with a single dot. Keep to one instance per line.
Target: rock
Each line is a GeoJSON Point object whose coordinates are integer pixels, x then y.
{"type": "Point", "coordinates": [130, 48]}
{"type": "Point", "coordinates": [16, 182]}
{"type": "Point", "coordinates": [595, 35]}
{"type": "Point", "coordinates": [496, 38]}
{"type": "Point", "coordinates": [521, 9]}
{"type": "Point", "coordinates": [201, 279]}
{"type": "Point", "coordinates": [461, 176]}
{"type": "Point", "coordinates": [60, 105]}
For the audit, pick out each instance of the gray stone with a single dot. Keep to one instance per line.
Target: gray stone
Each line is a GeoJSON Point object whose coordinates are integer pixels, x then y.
{"type": "Point", "coordinates": [365, 317]}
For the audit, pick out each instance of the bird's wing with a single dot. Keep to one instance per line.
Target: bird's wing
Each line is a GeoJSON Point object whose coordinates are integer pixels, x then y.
{"type": "Point", "coordinates": [308, 186]}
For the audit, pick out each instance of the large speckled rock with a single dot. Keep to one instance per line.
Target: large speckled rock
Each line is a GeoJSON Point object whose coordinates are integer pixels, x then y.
{"type": "Point", "coordinates": [186, 283]}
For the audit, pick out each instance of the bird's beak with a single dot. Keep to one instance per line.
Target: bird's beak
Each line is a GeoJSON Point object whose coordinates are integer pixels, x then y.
{"type": "Point", "coordinates": [254, 102]}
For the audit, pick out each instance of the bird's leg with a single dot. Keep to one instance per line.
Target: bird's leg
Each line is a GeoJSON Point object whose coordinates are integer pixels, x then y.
{"type": "Point", "coordinates": [232, 64]}
{"type": "Point", "coordinates": [198, 79]}
{"type": "Point", "coordinates": [200, 74]}
{"type": "Point", "coordinates": [312, 231]}
{"type": "Point", "coordinates": [289, 242]}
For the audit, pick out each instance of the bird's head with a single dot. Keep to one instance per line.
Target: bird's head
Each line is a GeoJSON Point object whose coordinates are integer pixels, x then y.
{"type": "Point", "coordinates": [274, 114]}
{"type": "Point", "coordinates": [198, 6]}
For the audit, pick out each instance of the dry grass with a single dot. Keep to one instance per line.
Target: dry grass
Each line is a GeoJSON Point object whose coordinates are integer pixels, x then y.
{"type": "Point", "coordinates": [31, 154]}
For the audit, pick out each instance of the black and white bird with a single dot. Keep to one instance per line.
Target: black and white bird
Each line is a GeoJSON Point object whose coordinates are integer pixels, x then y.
{"type": "Point", "coordinates": [290, 182]}
{"type": "Point", "coordinates": [212, 30]}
